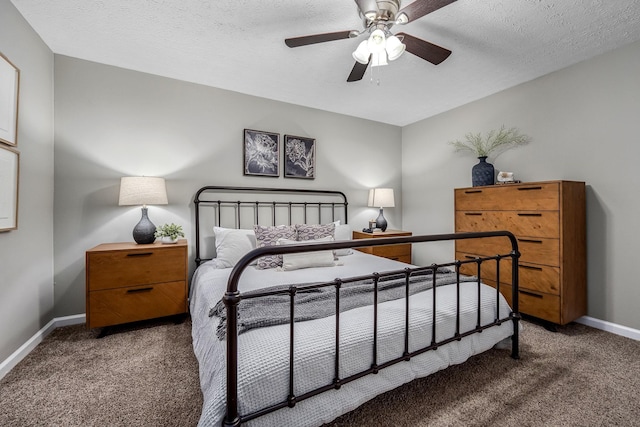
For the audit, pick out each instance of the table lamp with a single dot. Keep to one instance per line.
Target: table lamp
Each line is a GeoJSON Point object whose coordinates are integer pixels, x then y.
{"type": "Point", "coordinates": [143, 190]}
{"type": "Point", "coordinates": [381, 198]}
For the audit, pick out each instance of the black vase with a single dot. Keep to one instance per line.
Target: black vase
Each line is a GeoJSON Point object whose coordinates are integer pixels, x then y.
{"type": "Point", "coordinates": [143, 232]}
{"type": "Point", "coordinates": [483, 173]}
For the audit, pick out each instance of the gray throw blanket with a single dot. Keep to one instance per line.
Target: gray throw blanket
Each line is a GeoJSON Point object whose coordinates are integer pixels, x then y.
{"type": "Point", "coordinates": [318, 303]}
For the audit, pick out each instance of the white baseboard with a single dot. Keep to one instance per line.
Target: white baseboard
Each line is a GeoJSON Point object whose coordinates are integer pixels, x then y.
{"type": "Point", "coordinates": [610, 327]}
{"type": "Point", "coordinates": [7, 365]}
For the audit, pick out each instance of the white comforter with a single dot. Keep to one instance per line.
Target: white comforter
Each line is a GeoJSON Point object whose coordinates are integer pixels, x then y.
{"type": "Point", "coordinates": [264, 353]}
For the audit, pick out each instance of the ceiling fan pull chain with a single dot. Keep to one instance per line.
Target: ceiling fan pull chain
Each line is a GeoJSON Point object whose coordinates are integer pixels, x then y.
{"type": "Point", "coordinates": [372, 77]}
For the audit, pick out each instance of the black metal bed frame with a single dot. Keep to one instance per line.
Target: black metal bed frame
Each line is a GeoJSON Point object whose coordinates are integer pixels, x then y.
{"type": "Point", "coordinates": [201, 200]}
{"type": "Point", "coordinates": [233, 297]}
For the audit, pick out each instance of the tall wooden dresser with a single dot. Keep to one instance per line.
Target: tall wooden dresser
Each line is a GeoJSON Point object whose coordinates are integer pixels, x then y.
{"type": "Point", "coordinates": [548, 219]}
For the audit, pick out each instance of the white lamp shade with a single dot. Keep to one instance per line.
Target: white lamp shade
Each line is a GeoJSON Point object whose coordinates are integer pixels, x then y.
{"type": "Point", "coordinates": [394, 48]}
{"type": "Point", "coordinates": [361, 54]}
{"type": "Point", "coordinates": [381, 198]}
{"type": "Point", "coordinates": [142, 190]}
{"type": "Point", "coordinates": [376, 41]}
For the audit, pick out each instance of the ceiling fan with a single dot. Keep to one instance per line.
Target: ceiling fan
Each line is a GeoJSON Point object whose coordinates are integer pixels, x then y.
{"type": "Point", "coordinates": [378, 17]}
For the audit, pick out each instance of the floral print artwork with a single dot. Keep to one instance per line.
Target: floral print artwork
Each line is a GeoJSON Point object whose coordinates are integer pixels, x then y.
{"type": "Point", "coordinates": [261, 153]}
{"type": "Point", "coordinates": [299, 157]}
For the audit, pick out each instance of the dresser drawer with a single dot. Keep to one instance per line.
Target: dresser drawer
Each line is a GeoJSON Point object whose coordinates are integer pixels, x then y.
{"type": "Point", "coordinates": [538, 196]}
{"type": "Point", "coordinates": [540, 305]}
{"type": "Point", "coordinates": [122, 268]}
{"type": "Point", "coordinates": [123, 305]}
{"type": "Point", "coordinates": [541, 278]}
{"type": "Point", "coordinates": [396, 252]}
{"type": "Point", "coordinates": [520, 223]}
{"type": "Point", "coordinates": [532, 250]}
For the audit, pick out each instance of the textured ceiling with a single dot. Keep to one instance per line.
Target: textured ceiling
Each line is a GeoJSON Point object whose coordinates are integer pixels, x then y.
{"type": "Point", "coordinates": [238, 45]}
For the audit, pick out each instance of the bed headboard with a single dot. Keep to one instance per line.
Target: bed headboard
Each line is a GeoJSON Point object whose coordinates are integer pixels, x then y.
{"type": "Point", "coordinates": [242, 207]}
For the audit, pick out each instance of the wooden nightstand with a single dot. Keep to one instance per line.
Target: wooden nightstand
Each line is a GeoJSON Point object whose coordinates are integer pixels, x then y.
{"type": "Point", "coordinates": [396, 252]}
{"type": "Point", "coordinates": [127, 282]}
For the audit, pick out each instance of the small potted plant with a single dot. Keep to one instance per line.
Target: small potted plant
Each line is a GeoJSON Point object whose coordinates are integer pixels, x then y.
{"type": "Point", "coordinates": [169, 233]}
{"type": "Point", "coordinates": [483, 173]}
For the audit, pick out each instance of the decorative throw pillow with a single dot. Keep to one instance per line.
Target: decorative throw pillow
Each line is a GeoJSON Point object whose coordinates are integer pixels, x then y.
{"type": "Point", "coordinates": [231, 245]}
{"type": "Point", "coordinates": [306, 259]}
{"type": "Point", "coordinates": [315, 231]}
{"type": "Point", "coordinates": [343, 232]}
{"type": "Point", "coordinates": [268, 236]}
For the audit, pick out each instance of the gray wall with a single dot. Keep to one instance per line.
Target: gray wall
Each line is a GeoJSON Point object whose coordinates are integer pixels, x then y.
{"type": "Point", "coordinates": [26, 254]}
{"type": "Point", "coordinates": [584, 121]}
{"type": "Point", "coordinates": [112, 122]}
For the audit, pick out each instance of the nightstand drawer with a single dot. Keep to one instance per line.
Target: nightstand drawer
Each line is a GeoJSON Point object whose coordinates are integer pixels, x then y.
{"type": "Point", "coordinates": [400, 253]}
{"type": "Point", "coordinates": [123, 305]}
{"type": "Point", "coordinates": [395, 252]}
{"type": "Point", "coordinates": [116, 269]}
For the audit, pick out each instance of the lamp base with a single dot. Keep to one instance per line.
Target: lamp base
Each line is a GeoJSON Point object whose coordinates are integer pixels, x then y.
{"type": "Point", "coordinates": [381, 222]}
{"type": "Point", "coordinates": [143, 232]}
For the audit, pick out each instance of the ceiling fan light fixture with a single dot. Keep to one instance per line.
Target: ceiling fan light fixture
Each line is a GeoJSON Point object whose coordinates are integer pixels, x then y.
{"type": "Point", "coordinates": [378, 59]}
{"type": "Point", "coordinates": [394, 48]}
{"type": "Point", "coordinates": [376, 41]}
{"type": "Point", "coordinates": [362, 53]}
{"type": "Point", "coordinates": [402, 18]}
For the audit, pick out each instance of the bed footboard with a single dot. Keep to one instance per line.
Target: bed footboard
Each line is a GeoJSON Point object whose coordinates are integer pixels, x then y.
{"type": "Point", "coordinates": [233, 297]}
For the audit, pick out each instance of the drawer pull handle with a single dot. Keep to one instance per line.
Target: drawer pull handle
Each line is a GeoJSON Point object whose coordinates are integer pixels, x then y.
{"type": "Point", "coordinates": [529, 214]}
{"type": "Point", "coordinates": [469, 257]}
{"type": "Point", "coordinates": [530, 241]}
{"type": "Point", "coordinates": [473, 213]}
{"type": "Point", "coordinates": [529, 188]}
{"type": "Point", "coordinates": [530, 267]}
{"type": "Point", "coordinates": [139, 290]}
{"type": "Point", "coordinates": [531, 294]}
{"type": "Point", "coordinates": [473, 191]}
{"type": "Point", "coordinates": [141, 254]}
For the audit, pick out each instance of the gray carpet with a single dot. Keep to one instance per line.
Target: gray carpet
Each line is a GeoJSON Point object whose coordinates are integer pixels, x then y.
{"type": "Point", "coordinates": [146, 375]}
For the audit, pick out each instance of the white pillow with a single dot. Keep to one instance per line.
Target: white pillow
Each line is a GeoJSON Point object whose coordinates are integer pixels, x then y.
{"type": "Point", "coordinates": [342, 232]}
{"type": "Point", "coordinates": [231, 245]}
{"type": "Point", "coordinates": [306, 259]}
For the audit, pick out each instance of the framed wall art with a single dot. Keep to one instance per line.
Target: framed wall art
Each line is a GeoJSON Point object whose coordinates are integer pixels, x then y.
{"type": "Point", "coordinates": [261, 153]}
{"type": "Point", "coordinates": [299, 157]}
{"type": "Point", "coordinates": [9, 88]}
{"type": "Point", "coordinates": [9, 173]}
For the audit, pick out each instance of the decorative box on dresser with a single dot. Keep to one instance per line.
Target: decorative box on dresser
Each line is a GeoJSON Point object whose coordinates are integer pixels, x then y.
{"type": "Point", "coordinates": [127, 282]}
{"type": "Point", "coordinates": [400, 253]}
{"type": "Point", "coordinates": [549, 221]}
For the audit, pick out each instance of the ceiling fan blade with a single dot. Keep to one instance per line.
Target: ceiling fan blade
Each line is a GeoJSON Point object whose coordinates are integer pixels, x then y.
{"type": "Point", "coordinates": [316, 38]}
{"type": "Point", "coordinates": [425, 50]}
{"type": "Point", "coordinates": [357, 73]}
{"type": "Point", "coordinates": [419, 8]}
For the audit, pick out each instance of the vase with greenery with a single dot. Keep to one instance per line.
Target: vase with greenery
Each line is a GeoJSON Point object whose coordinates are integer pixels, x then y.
{"type": "Point", "coordinates": [494, 143]}
{"type": "Point", "coordinates": [169, 233]}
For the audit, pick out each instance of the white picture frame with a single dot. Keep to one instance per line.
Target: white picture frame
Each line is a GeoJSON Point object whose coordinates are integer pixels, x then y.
{"type": "Point", "coordinates": [9, 179]}
{"type": "Point", "coordinates": [9, 94]}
